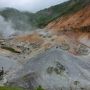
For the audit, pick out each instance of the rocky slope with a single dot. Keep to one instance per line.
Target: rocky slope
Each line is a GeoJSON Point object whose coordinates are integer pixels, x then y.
{"type": "Point", "coordinates": [46, 59]}
{"type": "Point", "coordinates": [54, 70]}
{"type": "Point", "coordinates": [75, 27]}
{"type": "Point", "coordinates": [56, 57]}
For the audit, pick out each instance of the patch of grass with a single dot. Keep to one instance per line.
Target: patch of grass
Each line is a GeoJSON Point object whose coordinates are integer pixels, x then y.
{"type": "Point", "coordinates": [10, 88]}
{"type": "Point", "coordinates": [39, 88]}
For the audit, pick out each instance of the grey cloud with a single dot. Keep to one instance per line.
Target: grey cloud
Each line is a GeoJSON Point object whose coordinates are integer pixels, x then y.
{"type": "Point", "coordinates": [29, 5]}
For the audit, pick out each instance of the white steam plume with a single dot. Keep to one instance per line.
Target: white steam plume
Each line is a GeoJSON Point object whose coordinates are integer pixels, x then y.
{"type": "Point", "coordinates": [5, 28]}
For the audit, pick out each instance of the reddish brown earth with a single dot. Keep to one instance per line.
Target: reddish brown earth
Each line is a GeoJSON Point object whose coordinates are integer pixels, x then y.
{"type": "Point", "coordinates": [74, 23]}
{"type": "Point", "coordinates": [32, 38]}
{"type": "Point", "coordinates": [81, 18]}
{"type": "Point", "coordinates": [68, 29]}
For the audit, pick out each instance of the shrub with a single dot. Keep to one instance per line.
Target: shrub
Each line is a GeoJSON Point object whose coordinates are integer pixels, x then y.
{"type": "Point", "coordinates": [39, 88]}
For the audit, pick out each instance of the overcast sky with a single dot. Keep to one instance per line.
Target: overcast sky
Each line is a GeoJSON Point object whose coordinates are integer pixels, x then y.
{"type": "Point", "coordinates": [29, 5]}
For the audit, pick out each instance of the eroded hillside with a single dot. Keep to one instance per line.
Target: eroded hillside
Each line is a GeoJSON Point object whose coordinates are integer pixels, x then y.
{"type": "Point", "coordinates": [79, 19]}
{"type": "Point", "coordinates": [75, 27]}
{"type": "Point", "coordinates": [56, 57]}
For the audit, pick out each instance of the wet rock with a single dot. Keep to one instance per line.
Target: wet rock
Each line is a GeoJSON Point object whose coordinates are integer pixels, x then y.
{"type": "Point", "coordinates": [50, 70]}
{"type": "Point", "coordinates": [60, 66]}
{"type": "Point", "coordinates": [82, 50]}
{"type": "Point", "coordinates": [64, 46]}
{"type": "Point", "coordinates": [58, 69]}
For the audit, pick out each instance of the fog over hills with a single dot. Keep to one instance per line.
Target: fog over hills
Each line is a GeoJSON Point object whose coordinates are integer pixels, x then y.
{"type": "Point", "coordinates": [29, 5]}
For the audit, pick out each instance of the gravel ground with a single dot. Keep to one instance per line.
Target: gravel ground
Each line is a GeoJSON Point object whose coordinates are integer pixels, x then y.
{"type": "Point", "coordinates": [75, 76]}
